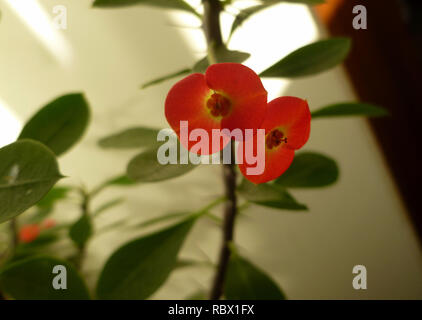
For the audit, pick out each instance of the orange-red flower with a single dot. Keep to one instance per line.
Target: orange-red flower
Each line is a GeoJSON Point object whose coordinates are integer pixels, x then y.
{"type": "Point", "coordinates": [29, 233]}
{"type": "Point", "coordinates": [287, 127]}
{"type": "Point", "coordinates": [229, 96]}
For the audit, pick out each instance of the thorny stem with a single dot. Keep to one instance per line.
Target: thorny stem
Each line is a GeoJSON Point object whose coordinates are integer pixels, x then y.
{"type": "Point", "coordinates": [82, 249]}
{"type": "Point", "coordinates": [212, 29]}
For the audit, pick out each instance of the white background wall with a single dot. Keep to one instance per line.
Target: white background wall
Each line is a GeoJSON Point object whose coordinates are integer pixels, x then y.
{"type": "Point", "coordinates": [360, 220]}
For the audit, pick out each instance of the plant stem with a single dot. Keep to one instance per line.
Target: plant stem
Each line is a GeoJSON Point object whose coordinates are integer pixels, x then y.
{"type": "Point", "coordinates": [82, 249]}
{"type": "Point", "coordinates": [212, 29]}
{"type": "Point", "coordinates": [230, 211]}
{"type": "Point", "coordinates": [14, 235]}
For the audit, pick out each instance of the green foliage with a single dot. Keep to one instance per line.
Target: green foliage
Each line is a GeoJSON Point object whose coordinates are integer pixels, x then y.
{"type": "Point", "coordinates": [139, 268]}
{"type": "Point", "coordinates": [145, 168]}
{"type": "Point", "coordinates": [60, 124]}
{"type": "Point", "coordinates": [31, 279]}
{"type": "Point", "coordinates": [269, 195]}
{"type": "Point", "coordinates": [28, 170]}
{"type": "Point", "coordinates": [107, 206]}
{"type": "Point", "coordinates": [309, 170]}
{"type": "Point", "coordinates": [138, 137]}
{"type": "Point", "coordinates": [81, 231]}
{"type": "Point", "coordinates": [350, 109]}
{"type": "Point", "coordinates": [170, 4]}
{"type": "Point", "coordinates": [54, 195]}
{"type": "Point", "coordinates": [311, 59]}
{"type": "Point", "coordinates": [245, 281]}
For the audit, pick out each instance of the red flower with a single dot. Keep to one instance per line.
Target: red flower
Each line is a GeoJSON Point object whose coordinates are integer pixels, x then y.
{"type": "Point", "coordinates": [29, 233]}
{"type": "Point", "coordinates": [287, 128]}
{"type": "Point", "coordinates": [229, 96]}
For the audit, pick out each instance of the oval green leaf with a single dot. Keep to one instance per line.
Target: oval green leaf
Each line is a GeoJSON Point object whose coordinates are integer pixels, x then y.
{"type": "Point", "coordinates": [268, 195]}
{"type": "Point", "coordinates": [311, 59]}
{"type": "Point", "coordinates": [145, 168]}
{"type": "Point", "coordinates": [81, 231]}
{"type": "Point", "coordinates": [137, 269]}
{"type": "Point", "coordinates": [60, 124]}
{"type": "Point", "coordinates": [32, 279]}
{"type": "Point", "coordinates": [245, 281]}
{"type": "Point", "coordinates": [28, 170]}
{"type": "Point", "coordinates": [138, 137]}
{"type": "Point", "coordinates": [350, 109]}
{"type": "Point", "coordinates": [309, 170]}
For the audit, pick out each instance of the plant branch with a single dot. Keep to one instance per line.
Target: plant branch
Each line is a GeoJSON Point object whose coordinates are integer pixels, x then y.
{"type": "Point", "coordinates": [14, 233]}
{"type": "Point", "coordinates": [230, 211]}
{"type": "Point", "coordinates": [212, 28]}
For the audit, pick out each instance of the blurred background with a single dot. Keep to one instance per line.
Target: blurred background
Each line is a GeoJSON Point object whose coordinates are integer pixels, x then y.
{"type": "Point", "coordinates": [371, 217]}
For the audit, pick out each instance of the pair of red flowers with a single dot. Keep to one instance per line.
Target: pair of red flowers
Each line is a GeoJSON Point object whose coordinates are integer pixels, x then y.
{"type": "Point", "coordinates": [231, 96]}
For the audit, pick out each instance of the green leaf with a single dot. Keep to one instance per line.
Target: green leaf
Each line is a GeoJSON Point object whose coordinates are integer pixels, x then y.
{"type": "Point", "coordinates": [81, 231]}
{"type": "Point", "coordinates": [28, 170]}
{"type": "Point", "coordinates": [311, 59]}
{"type": "Point", "coordinates": [145, 168]}
{"type": "Point", "coordinates": [139, 268]}
{"type": "Point", "coordinates": [159, 219]}
{"type": "Point", "coordinates": [222, 55]}
{"type": "Point", "coordinates": [55, 194]}
{"type": "Point", "coordinates": [106, 206]}
{"type": "Point", "coordinates": [171, 4]}
{"type": "Point", "coordinates": [350, 109]}
{"type": "Point", "coordinates": [269, 195]}
{"type": "Point", "coordinates": [245, 281]}
{"type": "Point", "coordinates": [246, 14]}
{"type": "Point", "coordinates": [250, 11]}
{"type": "Point", "coordinates": [122, 180]}
{"type": "Point", "coordinates": [60, 124]}
{"type": "Point", "coordinates": [167, 77]}
{"type": "Point", "coordinates": [309, 170]}
{"type": "Point", "coordinates": [31, 279]}
{"type": "Point", "coordinates": [138, 137]}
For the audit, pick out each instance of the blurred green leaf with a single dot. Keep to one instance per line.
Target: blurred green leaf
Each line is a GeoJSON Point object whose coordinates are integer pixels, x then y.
{"type": "Point", "coordinates": [269, 195]}
{"type": "Point", "coordinates": [222, 55]}
{"type": "Point", "coordinates": [55, 194]}
{"type": "Point", "coordinates": [165, 78]}
{"type": "Point", "coordinates": [245, 281]}
{"type": "Point", "coordinates": [311, 59]}
{"type": "Point", "coordinates": [159, 219]}
{"type": "Point", "coordinates": [108, 205]}
{"type": "Point", "coordinates": [60, 124]}
{"type": "Point", "coordinates": [28, 170]}
{"type": "Point", "coordinates": [138, 137]}
{"type": "Point", "coordinates": [309, 170]}
{"type": "Point", "coordinates": [31, 279]}
{"type": "Point", "coordinates": [122, 180]}
{"type": "Point", "coordinates": [350, 109]}
{"type": "Point", "coordinates": [81, 231]}
{"type": "Point", "coordinates": [137, 269]}
{"type": "Point", "coordinates": [145, 168]}
{"type": "Point", "coordinates": [171, 4]}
